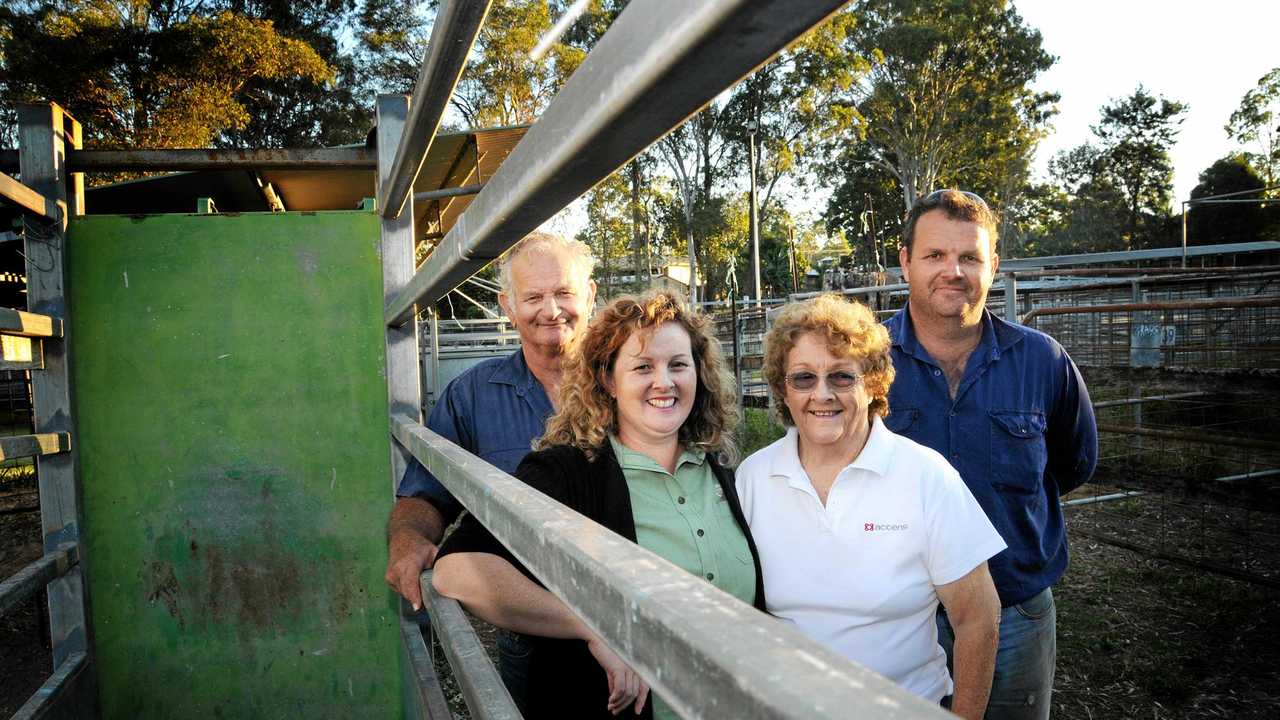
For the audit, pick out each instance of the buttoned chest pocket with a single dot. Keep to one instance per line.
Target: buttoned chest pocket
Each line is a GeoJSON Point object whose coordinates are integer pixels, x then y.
{"type": "Point", "coordinates": [1018, 452]}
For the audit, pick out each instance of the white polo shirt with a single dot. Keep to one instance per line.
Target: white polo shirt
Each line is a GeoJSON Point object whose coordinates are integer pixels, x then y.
{"type": "Point", "coordinates": [858, 575]}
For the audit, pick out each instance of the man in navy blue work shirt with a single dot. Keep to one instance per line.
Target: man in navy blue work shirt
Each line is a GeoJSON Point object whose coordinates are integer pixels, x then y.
{"type": "Point", "coordinates": [1008, 408]}
{"type": "Point", "coordinates": [497, 408]}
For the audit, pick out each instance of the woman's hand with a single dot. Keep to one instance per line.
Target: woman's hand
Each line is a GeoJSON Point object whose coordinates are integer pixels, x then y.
{"type": "Point", "coordinates": [625, 686]}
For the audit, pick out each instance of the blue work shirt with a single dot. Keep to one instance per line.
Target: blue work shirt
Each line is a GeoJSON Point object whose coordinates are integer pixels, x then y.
{"type": "Point", "coordinates": [1020, 432]}
{"type": "Point", "coordinates": [495, 410]}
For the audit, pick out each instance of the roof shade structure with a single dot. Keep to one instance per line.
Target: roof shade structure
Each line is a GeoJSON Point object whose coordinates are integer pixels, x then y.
{"type": "Point", "coordinates": [455, 160]}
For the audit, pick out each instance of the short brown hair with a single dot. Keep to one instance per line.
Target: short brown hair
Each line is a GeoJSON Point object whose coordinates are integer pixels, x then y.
{"type": "Point", "coordinates": [588, 414]}
{"type": "Point", "coordinates": [850, 331]}
{"type": "Point", "coordinates": [958, 205]}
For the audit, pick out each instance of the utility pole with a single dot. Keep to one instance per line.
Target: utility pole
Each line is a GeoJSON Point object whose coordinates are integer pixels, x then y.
{"type": "Point", "coordinates": [871, 229]}
{"type": "Point", "coordinates": [756, 288]}
{"type": "Point", "coordinates": [791, 246]}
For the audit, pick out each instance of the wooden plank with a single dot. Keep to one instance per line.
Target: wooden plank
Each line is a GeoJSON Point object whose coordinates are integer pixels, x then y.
{"type": "Point", "coordinates": [28, 199]}
{"type": "Point", "coordinates": [20, 446]}
{"type": "Point", "coordinates": [61, 696]}
{"type": "Point", "coordinates": [25, 324]}
{"type": "Point", "coordinates": [486, 696]}
{"type": "Point", "coordinates": [424, 698]}
{"type": "Point", "coordinates": [35, 576]}
{"type": "Point", "coordinates": [42, 143]}
{"type": "Point", "coordinates": [404, 391]}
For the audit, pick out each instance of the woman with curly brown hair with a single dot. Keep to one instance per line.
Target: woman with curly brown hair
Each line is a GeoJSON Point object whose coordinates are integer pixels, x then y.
{"type": "Point", "coordinates": [645, 422]}
{"type": "Point", "coordinates": [862, 532]}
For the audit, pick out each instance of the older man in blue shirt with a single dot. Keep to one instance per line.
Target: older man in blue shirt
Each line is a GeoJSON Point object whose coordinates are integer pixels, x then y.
{"type": "Point", "coordinates": [497, 408]}
{"type": "Point", "coordinates": [1010, 411]}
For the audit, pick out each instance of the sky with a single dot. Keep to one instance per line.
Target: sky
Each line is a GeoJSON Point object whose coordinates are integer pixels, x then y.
{"type": "Point", "coordinates": [1205, 54]}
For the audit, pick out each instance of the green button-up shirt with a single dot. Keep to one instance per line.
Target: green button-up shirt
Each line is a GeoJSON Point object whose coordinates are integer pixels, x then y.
{"type": "Point", "coordinates": [685, 519]}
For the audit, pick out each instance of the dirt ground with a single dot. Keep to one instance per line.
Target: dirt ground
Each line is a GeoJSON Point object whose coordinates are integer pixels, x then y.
{"type": "Point", "coordinates": [25, 661]}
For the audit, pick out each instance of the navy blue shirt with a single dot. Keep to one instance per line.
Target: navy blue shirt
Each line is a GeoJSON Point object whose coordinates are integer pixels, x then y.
{"type": "Point", "coordinates": [495, 410]}
{"type": "Point", "coordinates": [1020, 431]}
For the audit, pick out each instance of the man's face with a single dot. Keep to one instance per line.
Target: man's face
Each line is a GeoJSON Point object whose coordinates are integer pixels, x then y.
{"type": "Point", "coordinates": [549, 303]}
{"type": "Point", "coordinates": [950, 268]}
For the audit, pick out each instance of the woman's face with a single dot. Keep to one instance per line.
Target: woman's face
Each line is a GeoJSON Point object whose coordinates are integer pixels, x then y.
{"type": "Point", "coordinates": [825, 416]}
{"type": "Point", "coordinates": [654, 381]}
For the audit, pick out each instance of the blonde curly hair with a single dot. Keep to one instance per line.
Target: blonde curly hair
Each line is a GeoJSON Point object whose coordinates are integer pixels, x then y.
{"type": "Point", "coordinates": [588, 414]}
{"type": "Point", "coordinates": [849, 329]}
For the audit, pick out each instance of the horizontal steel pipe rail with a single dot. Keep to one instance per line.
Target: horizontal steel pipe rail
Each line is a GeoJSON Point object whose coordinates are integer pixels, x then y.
{"type": "Point", "coordinates": [44, 703]}
{"type": "Point", "coordinates": [660, 62]}
{"type": "Point", "coordinates": [453, 32]}
{"type": "Point", "coordinates": [423, 683]}
{"type": "Point", "coordinates": [444, 193]}
{"type": "Point", "coordinates": [35, 576]}
{"type": "Point", "coordinates": [341, 158]}
{"type": "Point", "coordinates": [709, 654]}
{"type": "Point", "coordinates": [25, 324]}
{"type": "Point", "coordinates": [1196, 437]}
{"type": "Point", "coordinates": [1151, 398]}
{"type": "Point", "coordinates": [482, 688]}
{"type": "Point", "coordinates": [24, 197]}
{"type": "Point", "coordinates": [20, 446]}
{"type": "Point", "coordinates": [1214, 304]}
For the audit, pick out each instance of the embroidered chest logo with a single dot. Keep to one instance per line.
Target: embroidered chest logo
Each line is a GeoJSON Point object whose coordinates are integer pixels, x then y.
{"type": "Point", "coordinates": [884, 527]}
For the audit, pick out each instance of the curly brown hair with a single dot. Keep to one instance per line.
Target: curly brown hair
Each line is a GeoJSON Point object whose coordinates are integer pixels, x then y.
{"type": "Point", "coordinates": [850, 331]}
{"type": "Point", "coordinates": [588, 414]}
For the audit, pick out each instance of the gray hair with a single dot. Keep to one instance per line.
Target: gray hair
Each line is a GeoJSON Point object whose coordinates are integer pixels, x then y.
{"type": "Point", "coordinates": [580, 256]}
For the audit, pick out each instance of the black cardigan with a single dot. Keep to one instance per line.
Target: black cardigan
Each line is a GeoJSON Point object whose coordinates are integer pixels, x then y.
{"type": "Point", "coordinates": [564, 679]}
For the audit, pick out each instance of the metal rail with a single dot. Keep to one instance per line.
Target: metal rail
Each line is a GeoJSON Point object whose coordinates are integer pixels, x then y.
{"type": "Point", "coordinates": [36, 576]}
{"type": "Point", "coordinates": [423, 693]}
{"type": "Point", "coordinates": [44, 703]}
{"type": "Point", "coordinates": [447, 193]}
{"type": "Point", "coordinates": [29, 200]}
{"type": "Point", "coordinates": [453, 33]}
{"type": "Point", "coordinates": [660, 62]}
{"type": "Point", "coordinates": [340, 158]}
{"type": "Point", "coordinates": [21, 446]}
{"type": "Point", "coordinates": [1215, 304]}
{"type": "Point", "coordinates": [709, 654]}
{"type": "Point", "coordinates": [1196, 437]}
{"type": "Point", "coordinates": [483, 690]}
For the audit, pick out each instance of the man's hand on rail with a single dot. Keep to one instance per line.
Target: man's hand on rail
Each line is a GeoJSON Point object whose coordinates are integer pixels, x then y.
{"type": "Point", "coordinates": [625, 686]}
{"type": "Point", "coordinates": [413, 530]}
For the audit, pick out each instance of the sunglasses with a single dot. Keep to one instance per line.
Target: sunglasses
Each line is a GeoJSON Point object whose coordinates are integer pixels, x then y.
{"type": "Point", "coordinates": [805, 380]}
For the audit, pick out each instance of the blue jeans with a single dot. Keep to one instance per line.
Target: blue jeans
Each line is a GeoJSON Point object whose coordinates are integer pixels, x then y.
{"type": "Point", "coordinates": [513, 666]}
{"type": "Point", "coordinates": [1022, 688]}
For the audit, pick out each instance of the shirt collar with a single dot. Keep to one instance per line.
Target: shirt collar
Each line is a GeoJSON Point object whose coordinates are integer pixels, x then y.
{"type": "Point", "coordinates": [514, 371]}
{"type": "Point", "coordinates": [874, 457]}
{"type": "Point", "coordinates": [997, 335]}
{"type": "Point", "coordinates": [634, 460]}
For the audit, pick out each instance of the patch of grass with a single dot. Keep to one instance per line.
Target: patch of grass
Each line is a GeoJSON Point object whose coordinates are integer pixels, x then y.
{"type": "Point", "coordinates": [757, 431]}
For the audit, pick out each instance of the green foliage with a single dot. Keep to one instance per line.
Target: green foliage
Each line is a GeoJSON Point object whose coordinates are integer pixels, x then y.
{"type": "Point", "coordinates": [758, 430]}
{"type": "Point", "coordinates": [948, 100]}
{"type": "Point", "coordinates": [1136, 133]}
{"type": "Point", "coordinates": [144, 76]}
{"type": "Point", "coordinates": [1257, 120]}
{"type": "Point", "coordinates": [1211, 224]}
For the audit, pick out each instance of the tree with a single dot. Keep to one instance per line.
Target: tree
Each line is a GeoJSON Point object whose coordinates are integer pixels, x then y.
{"type": "Point", "coordinates": [1136, 133]}
{"type": "Point", "coordinates": [693, 153]}
{"type": "Point", "coordinates": [948, 97]}
{"type": "Point", "coordinates": [146, 74]}
{"type": "Point", "coordinates": [1257, 120]}
{"type": "Point", "coordinates": [1210, 224]}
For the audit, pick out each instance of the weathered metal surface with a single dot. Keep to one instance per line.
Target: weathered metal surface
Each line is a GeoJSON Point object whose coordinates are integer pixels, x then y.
{"type": "Point", "coordinates": [424, 698]}
{"type": "Point", "coordinates": [483, 690]}
{"type": "Point", "coordinates": [342, 158]}
{"type": "Point", "coordinates": [234, 461]}
{"type": "Point", "coordinates": [1196, 437]}
{"type": "Point", "coordinates": [20, 446]}
{"type": "Point", "coordinates": [24, 197]}
{"type": "Point", "coordinates": [709, 654]}
{"type": "Point", "coordinates": [35, 576]}
{"type": "Point", "coordinates": [660, 62]}
{"type": "Point", "coordinates": [454, 31]}
{"type": "Point", "coordinates": [45, 135]}
{"type": "Point", "coordinates": [1211, 304]}
{"type": "Point", "coordinates": [25, 324]}
{"type": "Point", "coordinates": [62, 695]}
{"type": "Point", "coordinates": [21, 353]}
{"type": "Point", "coordinates": [448, 192]}
{"type": "Point", "coordinates": [396, 250]}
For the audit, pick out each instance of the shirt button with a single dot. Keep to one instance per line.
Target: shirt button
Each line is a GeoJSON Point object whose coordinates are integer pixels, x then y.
{"type": "Point", "coordinates": [953, 413]}
{"type": "Point", "coordinates": [680, 499]}
{"type": "Point", "coordinates": [937, 372]}
{"type": "Point", "coordinates": [700, 533]}
{"type": "Point", "coordinates": [711, 576]}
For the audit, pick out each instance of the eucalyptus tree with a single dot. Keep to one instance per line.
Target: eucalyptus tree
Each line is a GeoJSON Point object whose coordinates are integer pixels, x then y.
{"type": "Point", "coordinates": [1257, 120]}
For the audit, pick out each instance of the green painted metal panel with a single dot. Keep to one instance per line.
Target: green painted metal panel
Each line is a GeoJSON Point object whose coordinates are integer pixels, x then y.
{"type": "Point", "coordinates": [232, 434]}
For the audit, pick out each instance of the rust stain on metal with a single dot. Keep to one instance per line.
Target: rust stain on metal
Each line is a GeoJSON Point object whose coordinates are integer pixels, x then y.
{"type": "Point", "coordinates": [165, 588]}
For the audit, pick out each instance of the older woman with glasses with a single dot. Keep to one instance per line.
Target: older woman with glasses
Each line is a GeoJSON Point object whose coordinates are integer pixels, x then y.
{"type": "Point", "coordinates": [645, 410]}
{"type": "Point", "coordinates": [861, 532]}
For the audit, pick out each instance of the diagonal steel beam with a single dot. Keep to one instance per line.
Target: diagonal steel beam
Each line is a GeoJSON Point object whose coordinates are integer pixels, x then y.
{"type": "Point", "coordinates": [456, 26]}
{"type": "Point", "coordinates": [660, 62]}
